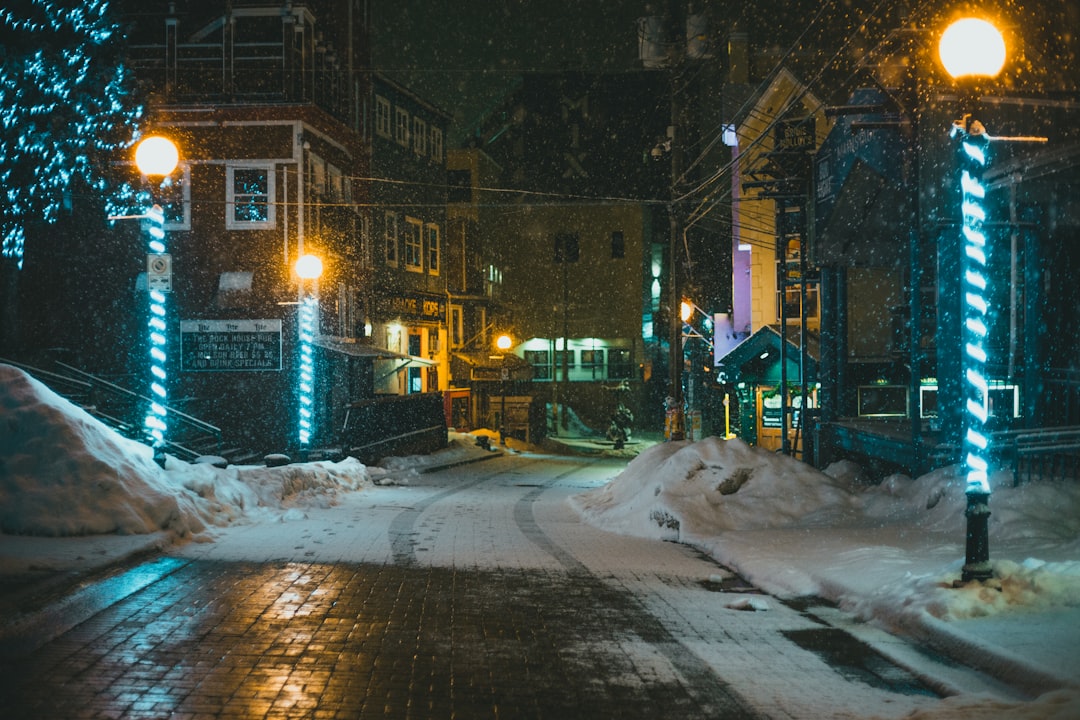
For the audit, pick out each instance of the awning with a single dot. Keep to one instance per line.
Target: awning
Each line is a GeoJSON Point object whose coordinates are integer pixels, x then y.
{"type": "Point", "coordinates": [353, 348]}
{"type": "Point", "coordinates": [488, 367]}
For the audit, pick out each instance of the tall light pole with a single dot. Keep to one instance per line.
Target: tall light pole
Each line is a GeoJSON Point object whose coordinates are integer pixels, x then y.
{"type": "Point", "coordinates": [157, 157]}
{"type": "Point", "coordinates": [309, 268]}
{"type": "Point", "coordinates": [973, 48]}
{"type": "Point", "coordinates": [504, 343]}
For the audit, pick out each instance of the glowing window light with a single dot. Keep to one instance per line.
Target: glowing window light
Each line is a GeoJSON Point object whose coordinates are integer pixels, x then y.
{"type": "Point", "coordinates": [973, 158]}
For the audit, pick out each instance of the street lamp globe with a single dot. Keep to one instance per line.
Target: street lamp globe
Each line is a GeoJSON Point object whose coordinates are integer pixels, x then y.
{"type": "Point", "coordinates": [503, 342]}
{"type": "Point", "coordinates": [156, 155]}
{"type": "Point", "coordinates": [309, 267]}
{"type": "Point", "coordinates": [971, 47]}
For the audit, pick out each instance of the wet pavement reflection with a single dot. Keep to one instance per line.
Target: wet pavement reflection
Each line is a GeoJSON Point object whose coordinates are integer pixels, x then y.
{"type": "Point", "coordinates": [245, 640]}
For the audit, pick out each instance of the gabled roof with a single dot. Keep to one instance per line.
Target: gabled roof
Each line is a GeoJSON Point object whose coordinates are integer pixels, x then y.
{"type": "Point", "coordinates": [757, 357]}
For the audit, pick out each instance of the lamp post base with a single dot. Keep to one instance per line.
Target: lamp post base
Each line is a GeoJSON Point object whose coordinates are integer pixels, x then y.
{"type": "Point", "coordinates": [977, 556]}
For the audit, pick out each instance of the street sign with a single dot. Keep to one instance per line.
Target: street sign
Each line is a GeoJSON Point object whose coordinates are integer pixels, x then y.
{"type": "Point", "coordinates": [159, 272]}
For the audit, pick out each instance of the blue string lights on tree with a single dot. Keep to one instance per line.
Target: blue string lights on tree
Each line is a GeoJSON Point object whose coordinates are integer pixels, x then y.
{"type": "Point", "coordinates": [66, 107]}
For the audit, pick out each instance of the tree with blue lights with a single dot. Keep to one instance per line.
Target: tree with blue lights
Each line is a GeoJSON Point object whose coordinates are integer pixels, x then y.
{"type": "Point", "coordinates": [67, 108]}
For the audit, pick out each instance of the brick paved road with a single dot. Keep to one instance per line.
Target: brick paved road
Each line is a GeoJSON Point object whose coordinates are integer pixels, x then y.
{"type": "Point", "coordinates": [472, 593]}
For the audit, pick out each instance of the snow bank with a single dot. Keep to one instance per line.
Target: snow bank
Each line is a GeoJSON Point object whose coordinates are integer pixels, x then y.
{"type": "Point", "coordinates": [712, 486]}
{"type": "Point", "coordinates": [63, 473]}
{"type": "Point", "coordinates": [869, 542]}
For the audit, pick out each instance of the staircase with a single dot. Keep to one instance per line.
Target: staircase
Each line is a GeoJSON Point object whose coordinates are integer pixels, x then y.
{"type": "Point", "coordinates": [122, 410]}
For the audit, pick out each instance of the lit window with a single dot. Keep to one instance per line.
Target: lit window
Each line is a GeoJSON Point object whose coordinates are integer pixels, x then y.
{"type": "Point", "coordinates": [420, 137]}
{"type": "Point", "coordinates": [401, 127]}
{"type": "Point", "coordinates": [540, 364]}
{"type": "Point", "coordinates": [390, 236]}
{"type": "Point", "coordinates": [414, 257]}
{"type": "Point", "coordinates": [382, 116]}
{"type": "Point", "coordinates": [434, 247]}
{"type": "Point", "coordinates": [248, 198]}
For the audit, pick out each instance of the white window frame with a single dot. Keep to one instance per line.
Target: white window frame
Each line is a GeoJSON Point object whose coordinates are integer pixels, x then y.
{"type": "Point", "coordinates": [414, 245]}
{"type": "Point", "coordinates": [433, 246]}
{"type": "Point", "coordinates": [231, 221]}
{"type": "Point", "coordinates": [382, 117]}
{"type": "Point", "coordinates": [401, 126]}
{"type": "Point", "coordinates": [436, 144]}
{"type": "Point", "coordinates": [181, 191]}
{"type": "Point", "coordinates": [420, 136]}
{"type": "Point", "coordinates": [390, 238]}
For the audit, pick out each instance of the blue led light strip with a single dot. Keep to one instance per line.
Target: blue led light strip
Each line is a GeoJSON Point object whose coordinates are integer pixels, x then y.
{"type": "Point", "coordinates": [306, 386]}
{"type": "Point", "coordinates": [973, 159]}
{"type": "Point", "coordinates": [156, 424]}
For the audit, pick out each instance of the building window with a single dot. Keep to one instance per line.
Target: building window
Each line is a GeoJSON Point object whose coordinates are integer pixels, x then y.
{"type": "Point", "coordinates": [436, 144]}
{"type": "Point", "coordinates": [566, 247]}
{"type": "Point", "coordinates": [563, 356]}
{"type": "Point", "coordinates": [175, 197]}
{"type": "Point", "coordinates": [434, 248]}
{"type": "Point", "coordinates": [618, 245]}
{"type": "Point", "coordinates": [390, 237]}
{"type": "Point", "coordinates": [316, 176]}
{"type": "Point", "coordinates": [382, 117]}
{"type": "Point", "coordinates": [457, 327]}
{"type": "Point", "coordinates": [401, 126]}
{"type": "Point", "coordinates": [458, 186]}
{"type": "Point", "coordinates": [540, 365]}
{"type": "Point", "coordinates": [248, 204]}
{"type": "Point", "coordinates": [420, 137]}
{"type": "Point", "coordinates": [591, 359]}
{"type": "Point", "coordinates": [619, 364]}
{"type": "Point", "coordinates": [414, 248]}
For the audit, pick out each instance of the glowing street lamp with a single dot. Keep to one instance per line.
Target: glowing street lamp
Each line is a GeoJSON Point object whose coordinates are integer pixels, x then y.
{"type": "Point", "coordinates": [308, 268]}
{"type": "Point", "coordinates": [504, 342]}
{"type": "Point", "coordinates": [157, 157]}
{"type": "Point", "coordinates": [974, 48]}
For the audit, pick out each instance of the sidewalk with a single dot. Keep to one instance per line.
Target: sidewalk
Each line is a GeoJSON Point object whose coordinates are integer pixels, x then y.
{"type": "Point", "coordinates": [1034, 651]}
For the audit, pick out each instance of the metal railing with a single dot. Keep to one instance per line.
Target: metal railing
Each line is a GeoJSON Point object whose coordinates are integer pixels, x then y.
{"type": "Point", "coordinates": [189, 436]}
{"type": "Point", "coordinates": [1044, 454]}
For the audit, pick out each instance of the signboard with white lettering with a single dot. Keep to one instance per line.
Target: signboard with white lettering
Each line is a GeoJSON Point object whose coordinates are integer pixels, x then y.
{"type": "Point", "coordinates": [230, 345]}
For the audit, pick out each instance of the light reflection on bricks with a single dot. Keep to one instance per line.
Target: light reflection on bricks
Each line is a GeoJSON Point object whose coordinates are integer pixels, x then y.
{"type": "Point", "coordinates": [227, 640]}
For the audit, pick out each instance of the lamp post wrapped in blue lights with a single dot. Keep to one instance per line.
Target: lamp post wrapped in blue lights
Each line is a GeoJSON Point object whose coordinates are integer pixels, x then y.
{"type": "Point", "coordinates": [308, 268]}
{"type": "Point", "coordinates": [157, 157]}
{"type": "Point", "coordinates": [974, 48]}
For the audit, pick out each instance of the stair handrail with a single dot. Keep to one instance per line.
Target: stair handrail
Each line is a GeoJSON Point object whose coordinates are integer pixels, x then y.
{"type": "Point", "coordinates": [40, 373]}
{"type": "Point", "coordinates": [186, 419]}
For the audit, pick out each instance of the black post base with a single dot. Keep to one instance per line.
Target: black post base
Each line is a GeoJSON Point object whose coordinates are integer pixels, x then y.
{"type": "Point", "coordinates": [977, 557]}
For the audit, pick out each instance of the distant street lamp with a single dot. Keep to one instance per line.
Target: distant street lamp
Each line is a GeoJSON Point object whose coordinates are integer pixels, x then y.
{"type": "Point", "coordinates": [309, 268]}
{"type": "Point", "coordinates": [503, 343]}
{"type": "Point", "coordinates": [157, 156]}
{"type": "Point", "coordinates": [974, 48]}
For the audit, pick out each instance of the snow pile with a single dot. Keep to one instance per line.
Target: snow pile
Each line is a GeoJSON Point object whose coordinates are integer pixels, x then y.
{"type": "Point", "coordinates": [708, 487]}
{"type": "Point", "coordinates": [63, 473]}
{"type": "Point", "coordinates": [758, 509]}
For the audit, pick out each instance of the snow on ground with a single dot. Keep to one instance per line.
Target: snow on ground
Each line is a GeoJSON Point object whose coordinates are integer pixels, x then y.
{"type": "Point", "coordinates": [63, 473]}
{"type": "Point", "coordinates": [700, 492]}
{"type": "Point", "coordinates": [888, 552]}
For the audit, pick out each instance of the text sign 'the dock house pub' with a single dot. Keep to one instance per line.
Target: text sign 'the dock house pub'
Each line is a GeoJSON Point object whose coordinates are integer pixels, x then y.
{"type": "Point", "coordinates": [229, 345]}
